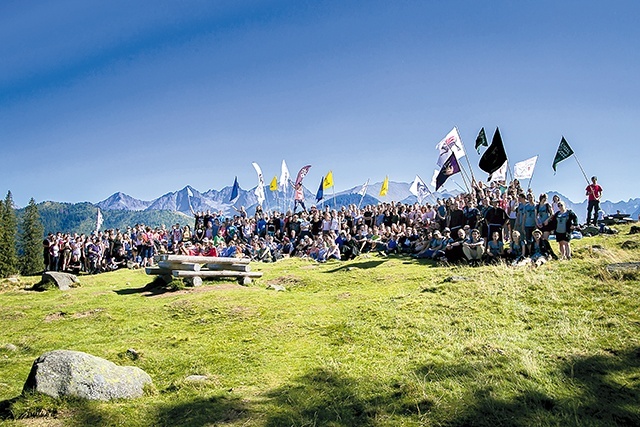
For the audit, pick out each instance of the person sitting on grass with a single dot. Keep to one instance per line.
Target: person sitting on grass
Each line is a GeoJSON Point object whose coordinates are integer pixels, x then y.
{"type": "Point", "coordinates": [473, 248]}
{"type": "Point", "coordinates": [517, 250]}
{"type": "Point", "coordinates": [435, 247]}
{"type": "Point", "coordinates": [495, 248]}
{"type": "Point", "coordinates": [453, 251]}
{"type": "Point", "coordinates": [540, 249]}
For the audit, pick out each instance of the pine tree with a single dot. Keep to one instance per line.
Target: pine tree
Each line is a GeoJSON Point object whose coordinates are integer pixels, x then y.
{"type": "Point", "coordinates": [31, 241]}
{"type": "Point", "coordinates": [9, 227]}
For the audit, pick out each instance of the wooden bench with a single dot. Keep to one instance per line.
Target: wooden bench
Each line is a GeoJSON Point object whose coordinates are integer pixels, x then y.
{"type": "Point", "coordinates": [195, 268]}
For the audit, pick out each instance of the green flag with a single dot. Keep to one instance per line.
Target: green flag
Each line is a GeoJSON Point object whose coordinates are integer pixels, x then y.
{"type": "Point", "coordinates": [564, 151]}
{"type": "Point", "coordinates": [481, 140]}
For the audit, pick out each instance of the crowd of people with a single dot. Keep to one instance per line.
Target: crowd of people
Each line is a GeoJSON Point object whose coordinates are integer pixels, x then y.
{"type": "Point", "coordinates": [492, 223]}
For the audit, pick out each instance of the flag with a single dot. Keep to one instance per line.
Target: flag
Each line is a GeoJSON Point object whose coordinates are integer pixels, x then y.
{"type": "Point", "coordinates": [189, 192]}
{"type": "Point", "coordinates": [189, 196]}
{"type": "Point", "coordinates": [328, 181]}
{"type": "Point", "coordinates": [284, 176]}
{"type": "Point", "coordinates": [419, 189]}
{"type": "Point", "coordinates": [500, 174]}
{"type": "Point", "coordinates": [273, 186]}
{"type": "Point", "coordinates": [450, 144]}
{"type": "Point", "coordinates": [434, 177]}
{"type": "Point", "coordinates": [385, 186]}
{"type": "Point", "coordinates": [320, 193]}
{"type": "Point", "coordinates": [524, 169]}
{"type": "Point", "coordinates": [450, 167]}
{"type": "Point", "coordinates": [564, 151]}
{"type": "Point", "coordinates": [99, 220]}
{"type": "Point", "coordinates": [363, 190]}
{"type": "Point", "coordinates": [302, 173]}
{"type": "Point", "coordinates": [259, 191]}
{"type": "Point", "coordinates": [481, 140]}
{"type": "Point", "coordinates": [494, 156]}
{"type": "Point", "coordinates": [235, 190]}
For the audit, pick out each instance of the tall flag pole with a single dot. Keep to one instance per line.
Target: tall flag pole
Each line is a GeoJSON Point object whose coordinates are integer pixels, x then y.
{"type": "Point", "coordinates": [494, 156]}
{"type": "Point", "coordinates": [363, 191]}
{"type": "Point", "coordinates": [473, 178]}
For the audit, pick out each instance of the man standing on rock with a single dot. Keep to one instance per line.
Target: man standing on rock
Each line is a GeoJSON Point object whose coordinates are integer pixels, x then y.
{"type": "Point", "coordinates": [594, 191]}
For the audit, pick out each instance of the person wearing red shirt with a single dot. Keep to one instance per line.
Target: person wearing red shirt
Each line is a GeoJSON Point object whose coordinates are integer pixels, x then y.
{"type": "Point", "coordinates": [594, 191]}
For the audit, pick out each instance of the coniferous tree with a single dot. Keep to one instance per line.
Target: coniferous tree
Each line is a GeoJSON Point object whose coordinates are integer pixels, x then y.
{"type": "Point", "coordinates": [32, 261]}
{"type": "Point", "coordinates": [9, 226]}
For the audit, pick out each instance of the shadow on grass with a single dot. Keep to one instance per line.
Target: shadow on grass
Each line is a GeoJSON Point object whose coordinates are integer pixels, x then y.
{"type": "Point", "coordinates": [361, 264]}
{"type": "Point", "coordinates": [157, 287]}
{"type": "Point", "coordinates": [203, 412]}
{"type": "Point", "coordinates": [606, 392]}
{"type": "Point", "coordinates": [322, 397]}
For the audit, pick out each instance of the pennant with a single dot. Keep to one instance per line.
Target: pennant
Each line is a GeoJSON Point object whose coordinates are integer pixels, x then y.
{"type": "Point", "coordinates": [450, 144]}
{"type": "Point", "coordinates": [363, 190]}
{"type": "Point", "coordinates": [328, 181]}
{"type": "Point", "coordinates": [500, 174]}
{"type": "Point", "coordinates": [481, 140]}
{"type": "Point", "coordinates": [259, 191]}
{"type": "Point", "coordinates": [385, 186]}
{"type": "Point", "coordinates": [320, 193]}
{"type": "Point", "coordinates": [284, 176]}
{"type": "Point", "coordinates": [99, 220]}
{"type": "Point", "coordinates": [495, 156]}
{"type": "Point", "coordinates": [235, 190]}
{"type": "Point", "coordinates": [450, 167]}
{"type": "Point", "coordinates": [419, 189]}
{"type": "Point", "coordinates": [273, 186]}
{"type": "Point", "coordinates": [564, 151]}
{"type": "Point", "coordinates": [524, 169]}
{"type": "Point", "coordinates": [302, 173]}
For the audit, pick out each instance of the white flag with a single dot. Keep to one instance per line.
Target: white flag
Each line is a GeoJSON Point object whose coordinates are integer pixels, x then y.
{"type": "Point", "coordinates": [434, 178]}
{"type": "Point", "coordinates": [500, 174]}
{"type": "Point", "coordinates": [98, 220]}
{"type": "Point", "coordinates": [524, 169]}
{"type": "Point", "coordinates": [363, 190]}
{"type": "Point", "coordinates": [189, 192]}
{"type": "Point", "coordinates": [259, 191]}
{"type": "Point", "coordinates": [284, 176]}
{"type": "Point", "coordinates": [419, 189]}
{"type": "Point", "coordinates": [450, 143]}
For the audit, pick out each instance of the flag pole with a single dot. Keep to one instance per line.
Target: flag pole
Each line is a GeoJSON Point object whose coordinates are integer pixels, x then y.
{"type": "Point", "coordinates": [465, 154]}
{"type": "Point", "coordinates": [580, 166]}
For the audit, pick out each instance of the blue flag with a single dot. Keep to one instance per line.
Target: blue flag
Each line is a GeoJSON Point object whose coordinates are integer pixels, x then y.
{"type": "Point", "coordinates": [235, 190]}
{"type": "Point", "coordinates": [320, 193]}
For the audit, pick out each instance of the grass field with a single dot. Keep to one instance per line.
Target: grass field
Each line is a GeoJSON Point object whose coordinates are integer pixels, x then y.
{"type": "Point", "coordinates": [372, 342]}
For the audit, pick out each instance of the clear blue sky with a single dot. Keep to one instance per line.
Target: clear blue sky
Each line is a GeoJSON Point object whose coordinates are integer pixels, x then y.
{"type": "Point", "coordinates": [146, 97]}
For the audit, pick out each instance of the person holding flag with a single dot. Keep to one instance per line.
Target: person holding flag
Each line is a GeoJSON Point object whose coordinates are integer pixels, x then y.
{"type": "Point", "coordinates": [594, 192]}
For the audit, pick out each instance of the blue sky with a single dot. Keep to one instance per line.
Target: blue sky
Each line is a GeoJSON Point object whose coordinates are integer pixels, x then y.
{"type": "Point", "coordinates": [146, 97]}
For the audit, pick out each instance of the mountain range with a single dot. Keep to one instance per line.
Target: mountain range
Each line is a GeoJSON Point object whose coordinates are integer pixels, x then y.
{"type": "Point", "coordinates": [189, 199]}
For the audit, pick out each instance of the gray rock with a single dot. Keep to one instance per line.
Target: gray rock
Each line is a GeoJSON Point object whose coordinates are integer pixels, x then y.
{"type": "Point", "coordinates": [277, 287]}
{"type": "Point", "coordinates": [63, 281]}
{"type": "Point", "coordinates": [74, 373]}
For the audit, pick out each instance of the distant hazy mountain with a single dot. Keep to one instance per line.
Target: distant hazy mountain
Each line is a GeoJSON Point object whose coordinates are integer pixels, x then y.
{"type": "Point", "coordinates": [218, 200]}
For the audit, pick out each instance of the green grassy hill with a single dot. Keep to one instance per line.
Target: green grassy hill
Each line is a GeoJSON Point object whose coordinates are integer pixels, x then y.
{"type": "Point", "coordinates": [81, 217]}
{"type": "Point", "coordinates": [371, 342]}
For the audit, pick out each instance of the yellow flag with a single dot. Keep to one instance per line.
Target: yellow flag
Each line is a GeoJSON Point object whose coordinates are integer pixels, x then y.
{"type": "Point", "coordinates": [385, 186]}
{"type": "Point", "coordinates": [274, 184]}
{"type": "Point", "coordinates": [327, 182]}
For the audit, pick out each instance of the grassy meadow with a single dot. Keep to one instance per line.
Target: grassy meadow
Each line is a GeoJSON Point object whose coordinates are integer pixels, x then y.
{"type": "Point", "coordinates": [371, 342]}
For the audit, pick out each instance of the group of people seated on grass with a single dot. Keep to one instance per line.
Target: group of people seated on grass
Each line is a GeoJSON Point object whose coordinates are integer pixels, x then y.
{"type": "Point", "coordinates": [492, 223]}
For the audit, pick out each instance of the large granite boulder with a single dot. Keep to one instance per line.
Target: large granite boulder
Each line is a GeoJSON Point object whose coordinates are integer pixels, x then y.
{"type": "Point", "coordinates": [74, 373]}
{"type": "Point", "coordinates": [63, 281]}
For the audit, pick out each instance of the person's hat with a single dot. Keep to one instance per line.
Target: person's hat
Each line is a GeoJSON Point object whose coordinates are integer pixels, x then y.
{"type": "Point", "coordinates": [447, 230]}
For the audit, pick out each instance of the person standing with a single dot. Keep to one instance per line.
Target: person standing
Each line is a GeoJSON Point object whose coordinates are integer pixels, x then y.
{"type": "Point", "coordinates": [594, 191]}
